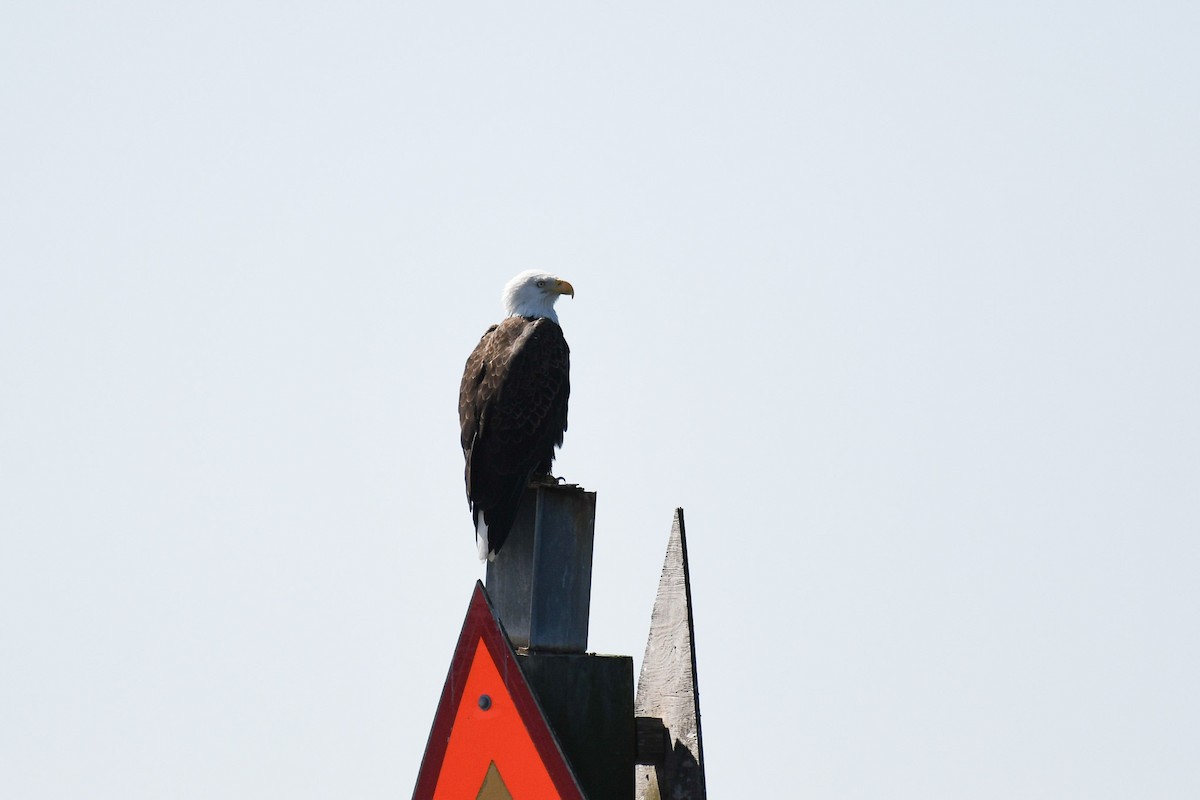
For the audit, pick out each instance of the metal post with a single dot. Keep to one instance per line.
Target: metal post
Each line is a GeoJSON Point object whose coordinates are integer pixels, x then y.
{"type": "Point", "coordinates": [541, 581]}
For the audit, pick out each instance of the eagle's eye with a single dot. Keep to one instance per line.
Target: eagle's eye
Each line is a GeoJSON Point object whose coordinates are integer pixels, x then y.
{"type": "Point", "coordinates": [541, 284]}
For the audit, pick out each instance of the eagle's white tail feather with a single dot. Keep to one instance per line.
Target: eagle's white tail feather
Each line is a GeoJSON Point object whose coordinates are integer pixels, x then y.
{"type": "Point", "coordinates": [481, 539]}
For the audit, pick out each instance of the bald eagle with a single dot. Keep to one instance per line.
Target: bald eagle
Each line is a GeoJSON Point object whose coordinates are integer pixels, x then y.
{"type": "Point", "coordinates": [512, 405]}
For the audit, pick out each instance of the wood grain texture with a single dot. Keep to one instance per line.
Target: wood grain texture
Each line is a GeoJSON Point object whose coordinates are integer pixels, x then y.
{"type": "Point", "coordinates": [667, 686]}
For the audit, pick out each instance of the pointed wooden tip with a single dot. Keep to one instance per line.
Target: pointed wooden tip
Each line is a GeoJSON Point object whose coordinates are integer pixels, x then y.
{"type": "Point", "coordinates": [667, 687]}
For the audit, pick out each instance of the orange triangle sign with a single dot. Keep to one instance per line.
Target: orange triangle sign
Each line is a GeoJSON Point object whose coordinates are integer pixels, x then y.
{"type": "Point", "coordinates": [488, 724]}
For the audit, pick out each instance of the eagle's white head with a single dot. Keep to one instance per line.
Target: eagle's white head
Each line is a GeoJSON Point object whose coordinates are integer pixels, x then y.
{"type": "Point", "coordinates": [532, 294]}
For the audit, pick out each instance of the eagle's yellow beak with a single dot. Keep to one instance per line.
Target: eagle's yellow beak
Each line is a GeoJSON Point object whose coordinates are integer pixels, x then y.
{"type": "Point", "coordinates": [562, 287]}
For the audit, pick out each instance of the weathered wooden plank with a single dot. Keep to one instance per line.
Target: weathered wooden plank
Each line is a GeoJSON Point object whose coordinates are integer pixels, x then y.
{"type": "Point", "coordinates": [667, 687]}
{"type": "Point", "coordinates": [652, 745]}
{"type": "Point", "coordinates": [541, 581]}
{"type": "Point", "coordinates": [588, 701]}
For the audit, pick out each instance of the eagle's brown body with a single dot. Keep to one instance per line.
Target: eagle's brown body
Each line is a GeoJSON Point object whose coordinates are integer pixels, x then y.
{"type": "Point", "coordinates": [512, 409]}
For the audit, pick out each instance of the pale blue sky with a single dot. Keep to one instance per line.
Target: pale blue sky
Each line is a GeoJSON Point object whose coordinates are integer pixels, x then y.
{"type": "Point", "coordinates": [898, 300]}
